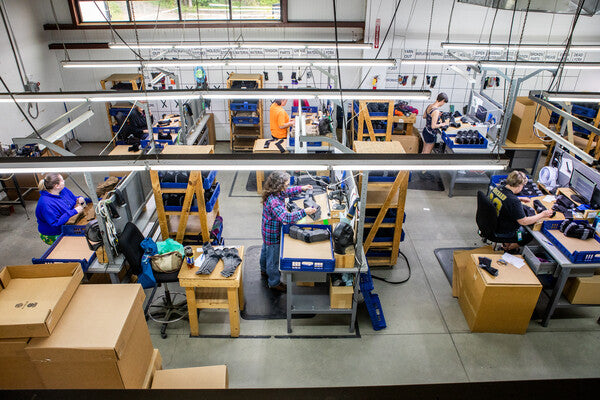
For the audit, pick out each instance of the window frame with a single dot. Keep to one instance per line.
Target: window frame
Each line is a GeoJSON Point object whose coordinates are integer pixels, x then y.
{"type": "Point", "coordinates": [77, 18]}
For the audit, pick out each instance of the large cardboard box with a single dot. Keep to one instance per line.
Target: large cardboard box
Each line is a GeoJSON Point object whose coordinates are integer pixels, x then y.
{"type": "Point", "coordinates": [101, 342]}
{"type": "Point", "coordinates": [584, 290]}
{"type": "Point", "coordinates": [213, 377]}
{"type": "Point", "coordinates": [500, 304]}
{"type": "Point", "coordinates": [33, 297]}
{"type": "Point", "coordinates": [521, 125]}
{"type": "Point", "coordinates": [460, 260]}
{"type": "Point", "coordinates": [340, 296]}
{"type": "Point", "coordinates": [155, 365]}
{"type": "Point", "coordinates": [409, 142]}
{"type": "Point", "coordinates": [16, 369]}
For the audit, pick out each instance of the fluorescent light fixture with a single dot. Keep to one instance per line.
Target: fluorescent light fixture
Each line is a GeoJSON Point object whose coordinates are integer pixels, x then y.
{"type": "Point", "coordinates": [235, 62]}
{"type": "Point", "coordinates": [82, 168]}
{"type": "Point", "coordinates": [499, 46]}
{"type": "Point", "coordinates": [185, 94]}
{"type": "Point", "coordinates": [537, 65]}
{"type": "Point", "coordinates": [422, 167]}
{"type": "Point", "coordinates": [242, 45]}
{"type": "Point", "coordinates": [573, 97]}
{"type": "Point", "coordinates": [438, 62]}
{"type": "Point", "coordinates": [68, 127]}
{"type": "Point", "coordinates": [243, 167]}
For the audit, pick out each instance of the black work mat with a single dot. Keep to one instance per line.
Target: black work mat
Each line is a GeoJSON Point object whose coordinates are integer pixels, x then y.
{"type": "Point", "coordinates": [251, 183]}
{"type": "Point", "coordinates": [262, 302]}
{"type": "Point", "coordinates": [445, 258]}
{"type": "Point", "coordinates": [432, 180]}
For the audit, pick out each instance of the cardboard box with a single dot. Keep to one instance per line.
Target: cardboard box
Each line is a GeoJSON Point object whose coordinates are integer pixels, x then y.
{"type": "Point", "coordinates": [460, 260]}
{"type": "Point", "coordinates": [213, 377]}
{"type": "Point", "coordinates": [340, 296]}
{"type": "Point", "coordinates": [521, 124]}
{"type": "Point", "coordinates": [345, 260]}
{"type": "Point", "coordinates": [410, 143]}
{"type": "Point", "coordinates": [585, 290]}
{"type": "Point", "coordinates": [16, 369]}
{"type": "Point", "coordinates": [33, 297]}
{"type": "Point", "coordinates": [155, 365]}
{"type": "Point", "coordinates": [101, 342]}
{"type": "Point", "coordinates": [500, 304]}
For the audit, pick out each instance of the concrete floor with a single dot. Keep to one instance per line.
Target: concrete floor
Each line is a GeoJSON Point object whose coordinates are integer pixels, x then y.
{"type": "Point", "coordinates": [427, 339]}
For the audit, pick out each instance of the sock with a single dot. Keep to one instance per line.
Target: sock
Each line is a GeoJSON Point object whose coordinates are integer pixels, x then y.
{"type": "Point", "coordinates": [433, 81]}
{"type": "Point", "coordinates": [486, 264]}
{"type": "Point", "coordinates": [211, 258]}
{"type": "Point", "coordinates": [413, 81]}
{"type": "Point", "coordinates": [428, 79]}
{"type": "Point", "coordinates": [231, 260]}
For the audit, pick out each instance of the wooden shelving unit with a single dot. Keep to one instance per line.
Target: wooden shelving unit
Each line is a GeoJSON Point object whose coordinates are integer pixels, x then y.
{"type": "Point", "coordinates": [180, 224]}
{"type": "Point", "coordinates": [244, 134]}
{"type": "Point", "coordinates": [137, 83]}
{"type": "Point", "coordinates": [384, 196]}
{"type": "Point", "coordinates": [362, 119]}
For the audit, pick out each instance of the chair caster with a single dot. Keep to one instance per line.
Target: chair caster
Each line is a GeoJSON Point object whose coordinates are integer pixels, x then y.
{"type": "Point", "coordinates": [163, 335]}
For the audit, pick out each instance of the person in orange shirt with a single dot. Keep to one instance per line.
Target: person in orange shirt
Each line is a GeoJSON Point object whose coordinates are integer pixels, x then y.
{"type": "Point", "coordinates": [279, 120]}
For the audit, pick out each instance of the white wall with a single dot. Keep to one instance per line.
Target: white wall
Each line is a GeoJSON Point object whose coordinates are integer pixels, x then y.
{"type": "Point", "coordinates": [40, 65]}
{"type": "Point", "coordinates": [322, 10]}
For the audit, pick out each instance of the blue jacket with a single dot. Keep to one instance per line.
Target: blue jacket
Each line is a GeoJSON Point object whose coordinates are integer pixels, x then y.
{"type": "Point", "coordinates": [54, 211]}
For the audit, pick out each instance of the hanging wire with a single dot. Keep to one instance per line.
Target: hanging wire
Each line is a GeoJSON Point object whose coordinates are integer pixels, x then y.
{"type": "Point", "coordinates": [450, 21]}
{"type": "Point", "coordinates": [58, 30]}
{"type": "Point", "coordinates": [428, 41]}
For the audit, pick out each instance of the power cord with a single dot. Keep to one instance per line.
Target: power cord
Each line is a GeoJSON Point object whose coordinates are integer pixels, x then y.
{"type": "Point", "coordinates": [395, 282]}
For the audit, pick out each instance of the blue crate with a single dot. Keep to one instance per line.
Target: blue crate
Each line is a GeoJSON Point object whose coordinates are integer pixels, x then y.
{"type": "Point", "coordinates": [240, 105]}
{"type": "Point", "coordinates": [583, 111]}
{"type": "Point", "coordinates": [309, 109]}
{"type": "Point", "coordinates": [166, 129]}
{"type": "Point", "coordinates": [375, 310]}
{"type": "Point", "coordinates": [366, 281]}
{"type": "Point", "coordinates": [383, 235]}
{"type": "Point", "coordinates": [246, 120]}
{"type": "Point", "coordinates": [206, 182]}
{"type": "Point", "coordinates": [371, 114]}
{"type": "Point", "coordinates": [292, 142]}
{"type": "Point", "coordinates": [306, 264]}
{"type": "Point", "coordinates": [67, 230]}
{"type": "Point", "coordinates": [209, 180]}
{"type": "Point", "coordinates": [115, 110]}
{"type": "Point", "coordinates": [379, 178]}
{"type": "Point", "coordinates": [495, 181]}
{"type": "Point", "coordinates": [386, 220]}
{"type": "Point", "coordinates": [577, 128]}
{"type": "Point", "coordinates": [581, 257]}
{"type": "Point", "coordinates": [158, 143]}
{"type": "Point", "coordinates": [209, 204]}
{"type": "Point", "coordinates": [448, 140]}
{"type": "Point", "coordinates": [366, 130]}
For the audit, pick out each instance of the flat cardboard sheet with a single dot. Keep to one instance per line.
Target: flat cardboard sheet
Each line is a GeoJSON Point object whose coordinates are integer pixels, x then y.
{"type": "Point", "coordinates": [573, 245]}
{"type": "Point", "coordinates": [71, 248]}
{"type": "Point", "coordinates": [121, 150]}
{"type": "Point", "coordinates": [294, 248]}
{"type": "Point", "coordinates": [507, 274]}
{"type": "Point", "coordinates": [378, 147]}
{"type": "Point", "coordinates": [213, 377]}
{"type": "Point", "coordinates": [181, 149]}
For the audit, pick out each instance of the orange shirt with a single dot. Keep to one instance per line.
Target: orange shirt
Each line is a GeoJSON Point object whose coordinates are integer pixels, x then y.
{"type": "Point", "coordinates": [278, 117]}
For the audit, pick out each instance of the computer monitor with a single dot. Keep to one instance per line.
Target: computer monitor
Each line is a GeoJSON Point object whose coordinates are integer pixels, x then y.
{"type": "Point", "coordinates": [582, 185]}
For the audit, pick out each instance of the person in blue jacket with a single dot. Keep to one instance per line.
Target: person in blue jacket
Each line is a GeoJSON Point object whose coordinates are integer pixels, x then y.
{"type": "Point", "coordinates": [56, 205]}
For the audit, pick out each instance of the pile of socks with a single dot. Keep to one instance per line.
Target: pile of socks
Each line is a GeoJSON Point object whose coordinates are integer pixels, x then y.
{"type": "Point", "coordinates": [229, 255]}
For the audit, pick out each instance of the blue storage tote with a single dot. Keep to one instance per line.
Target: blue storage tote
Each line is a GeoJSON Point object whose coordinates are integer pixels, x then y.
{"type": "Point", "coordinates": [366, 130]}
{"type": "Point", "coordinates": [371, 113]}
{"type": "Point", "coordinates": [582, 257]}
{"type": "Point", "coordinates": [292, 142]}
{"type": "Point", "coordinates": [67, 230]}
{"type": "Point", "coordinates": [210, 204]}
{"type": "Point", "coordinates": [206, 182]}
{"type": "Point", "coordinates": [450, 143]}
{"type": "Point", "coordinates": [241, 105]}
{"type": "Point", "coordinates": [246, 120]}
{"type": "Point", "coordinates": [583, 111]}
{"type": "Point", "coordinates": [305, 264]}
{"type": "Point", "coordinates": [166, 129]}
{"type": "Point", "coordinates": [305, 109]}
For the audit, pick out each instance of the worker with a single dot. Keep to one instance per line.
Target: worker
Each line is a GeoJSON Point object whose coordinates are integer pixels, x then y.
{"type": "Point", "coordinates": [130, 132]}
{"type": "Point", "coordinates": [275, 213]}
{"type": "Point", "coordinates": [433, 123]}
{"type": "Point", "coordinates": [511, 216]}
{"type": "Point", "coordinates": [279, 120]}
{"type": "Point", "coordinates": [138, 117]}
{"type": "Point", "coordinates": [56, 205]}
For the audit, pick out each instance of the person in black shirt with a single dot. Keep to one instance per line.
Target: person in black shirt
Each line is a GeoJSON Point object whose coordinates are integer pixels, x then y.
{"type": "Point", "coordinates": [138, 117]}
{"type": "Point", "coordinates": [511, 216]}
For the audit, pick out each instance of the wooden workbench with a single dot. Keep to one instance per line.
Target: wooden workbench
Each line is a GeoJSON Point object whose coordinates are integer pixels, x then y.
{"type": "Point", "coordinates": [213, 291]}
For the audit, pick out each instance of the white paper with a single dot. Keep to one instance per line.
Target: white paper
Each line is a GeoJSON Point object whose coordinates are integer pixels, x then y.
{"type": "Point", "coordinates": [199, 260]}
{"type": "Point", "coordinates": [513, 260]}
{"type": "Point", "coordinates": [549, 199]}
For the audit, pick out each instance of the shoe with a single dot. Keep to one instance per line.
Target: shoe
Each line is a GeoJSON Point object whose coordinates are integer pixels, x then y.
{"type": "Point", "coordinates": [282, 287]}
{"type": "Point", "coordinates": [263, 273]}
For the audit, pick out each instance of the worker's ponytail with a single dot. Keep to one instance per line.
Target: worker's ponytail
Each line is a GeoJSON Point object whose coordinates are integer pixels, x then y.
{"type": "Point", "coordinates": [49, 181]}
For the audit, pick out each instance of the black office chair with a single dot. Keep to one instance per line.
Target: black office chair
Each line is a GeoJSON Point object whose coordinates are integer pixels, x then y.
{"type": "Point", "coordinates": [487, 220]}
{"type": "Point", "coordinates": [167, 309]}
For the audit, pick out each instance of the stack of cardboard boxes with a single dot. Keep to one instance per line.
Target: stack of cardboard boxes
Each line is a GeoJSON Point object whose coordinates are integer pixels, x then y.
{"type": "Point", "coordinates": [56, 334]}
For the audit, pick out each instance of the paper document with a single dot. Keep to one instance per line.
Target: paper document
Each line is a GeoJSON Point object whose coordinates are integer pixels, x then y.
{"type": "Point", "coordinates": [514, 260]}
{"type": "Point", "coordinates": [549, 199]}
{"type": "Point", "coordinates": [199, 260]}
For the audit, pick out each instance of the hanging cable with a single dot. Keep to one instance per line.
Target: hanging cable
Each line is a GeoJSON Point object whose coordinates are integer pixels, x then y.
{"type": "Point", "coordinates": [337, 54]}
{"type": "Point", "coordinates": [450, 21]}
{"type": "Point", "coordinates": [428, 38]}
{"type": "Point", "coordinates": [22, 74]}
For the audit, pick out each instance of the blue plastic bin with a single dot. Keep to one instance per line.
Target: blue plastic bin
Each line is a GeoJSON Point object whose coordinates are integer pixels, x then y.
{"type": "Point", "coordinates": [67, 230]}
{"type": "Point", "coordinates": [581, 257]}
{"type": "Point", "coordinates": [305, 264]}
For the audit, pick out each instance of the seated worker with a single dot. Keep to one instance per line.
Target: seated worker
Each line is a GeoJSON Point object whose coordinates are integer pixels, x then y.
{"type": "Point", "coordinates": [275, 214]}
{"type": "Point", "coordinates": [54, 208]}
{"type": "Point", "coordinates": [279, 120]}
{"type": "Point", "coordinates": [138, 117]}
{"type": "Point", "coordinates": [511, 216]}
{"type": "Point", "coordinates": [129, 129]}
{"type": "Point", "coordinates": [433, 124]}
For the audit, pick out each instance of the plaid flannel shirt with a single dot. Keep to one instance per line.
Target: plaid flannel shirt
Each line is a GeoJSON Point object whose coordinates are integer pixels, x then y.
{"type": "Point", "coordinates": [275, 214]}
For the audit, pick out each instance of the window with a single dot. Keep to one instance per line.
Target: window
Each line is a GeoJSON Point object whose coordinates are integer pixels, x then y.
{"type": "Point", "coordinates": [91, 11]}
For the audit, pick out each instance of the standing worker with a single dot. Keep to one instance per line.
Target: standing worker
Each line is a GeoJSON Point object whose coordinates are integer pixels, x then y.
{"type": "Point", "coordinates": [433, 124]}
{"type": "Point", "coordinates": [274, 216]}
{"type": "Point", "coordinates": [511, 216]}
{"type": "Point", "coordinates": [279, 120]}
{"type": "Point", "coordinates": [56, 205]}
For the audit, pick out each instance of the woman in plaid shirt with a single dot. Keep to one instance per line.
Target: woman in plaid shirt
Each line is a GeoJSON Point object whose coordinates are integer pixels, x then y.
{"type": "Point", "coordinates": [274, 215]}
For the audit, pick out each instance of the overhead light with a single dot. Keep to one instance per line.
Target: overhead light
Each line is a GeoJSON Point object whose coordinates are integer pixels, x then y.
{"type": "Point", "coordinates": [438, 62]}
{"type": "Point", "coordinates": [534, 47]}
{"type": "Point", "coordinates": [82, 168]}
{"type": "Point", "coordinates": [242, 45]}
{"type": "Point", "coordinates": [573, 97]}
{"type": "Point", "coordinates": [536, 65]}
{"type": "Point", "coordinates": [69, 126]}
{"type": "Point", "coordinates": [236, 62]}
{"type": "Point", "coordinates": [423, 167]}
{"type": "Point", "coordinates": [185, 94]}
{"type": "Point", "coordinates": [230, 167]}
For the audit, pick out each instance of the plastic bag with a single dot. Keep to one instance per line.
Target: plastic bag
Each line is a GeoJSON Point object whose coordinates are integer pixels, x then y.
{"type": "Point", "coordinates": [146, 278]}
{"type": "Point", "coordinates": [168, 246]}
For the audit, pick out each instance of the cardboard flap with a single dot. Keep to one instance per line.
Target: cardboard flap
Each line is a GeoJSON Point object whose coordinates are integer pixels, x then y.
{"type": "Point", "coordinates": [213, 377]}
{"type": "Point", "coordinates": [13, 347]}
{"type": "Point", "coordinates": [43, 270]}
{"type": "Point", "coordinates": [40, 356]}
